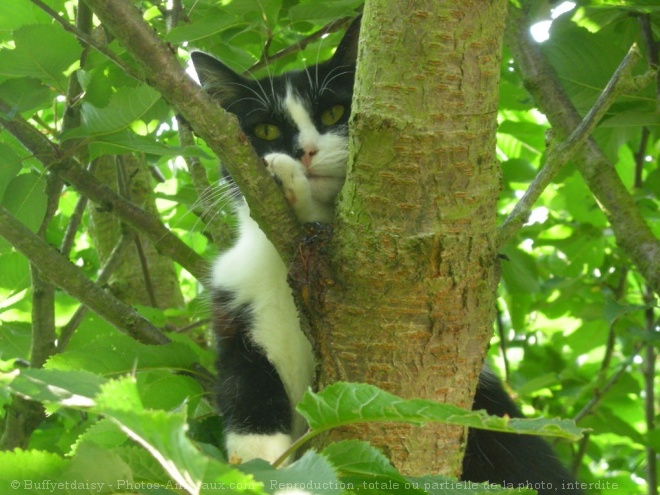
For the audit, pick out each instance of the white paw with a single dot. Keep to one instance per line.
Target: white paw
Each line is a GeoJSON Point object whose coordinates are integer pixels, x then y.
{"type": "Point", "coordinates": [242, 448]}
{"type": "Point", "coordinates": [291, 174]}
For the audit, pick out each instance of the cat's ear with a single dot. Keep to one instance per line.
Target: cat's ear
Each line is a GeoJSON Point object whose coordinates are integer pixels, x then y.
{"type": "Point", "coordinates": [346, 53]}
{"type": "Point", "coordinates": [216, 78]}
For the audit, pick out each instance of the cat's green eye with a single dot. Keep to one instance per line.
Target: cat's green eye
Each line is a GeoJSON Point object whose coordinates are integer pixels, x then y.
{"type": "Point", "coordinates": [268, 132]}
{"type": "Point", "coordinates": [331, 116]}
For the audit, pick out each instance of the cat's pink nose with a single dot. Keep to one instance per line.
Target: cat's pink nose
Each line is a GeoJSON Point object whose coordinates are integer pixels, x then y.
{"type": "Point", "coordinates": [307, 156]}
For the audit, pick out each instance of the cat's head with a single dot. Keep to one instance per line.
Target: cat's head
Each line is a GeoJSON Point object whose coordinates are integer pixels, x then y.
{"type": "Point", "coordinates": [303, 114]}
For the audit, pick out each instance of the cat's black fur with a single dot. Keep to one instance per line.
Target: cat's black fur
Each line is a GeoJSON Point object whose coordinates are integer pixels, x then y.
{"type": "Point", "coordinates": [251, 395]}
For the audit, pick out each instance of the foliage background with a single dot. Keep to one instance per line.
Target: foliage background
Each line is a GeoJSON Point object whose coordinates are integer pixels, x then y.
{"type": "Point", "coordinates": [577, 324]}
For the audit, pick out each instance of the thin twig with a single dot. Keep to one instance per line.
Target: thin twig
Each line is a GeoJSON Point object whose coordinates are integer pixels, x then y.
{"type": "Point", "coordinates": [331, 27]}
{"type": "Point", "coordinates": [72, 226]}
{"type": "Point", "coordinates": [600, 393]}
{"type": "Point", "coordinates": [559, 154]}
{"type": "Point", "coordinates": [632, 233]}
{"type": "Point", "coordinates": [124, 191]}
{"type": "Point", "coordinates": [42, 344]}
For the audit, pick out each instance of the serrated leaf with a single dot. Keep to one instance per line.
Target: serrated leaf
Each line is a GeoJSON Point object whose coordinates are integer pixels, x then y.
{"type": "Point", "coordinates": [143, 466]}
{"type": "Point", "coordinates": [13, 15]}
{"type": "Point", "coordinates": [104, 433]}
{"type": "Point", "coordinates": [119, 395]}
{"type": "Point", "coordinates": [348, 403]}
{"type": "Point", "coordinates": [163, 435]}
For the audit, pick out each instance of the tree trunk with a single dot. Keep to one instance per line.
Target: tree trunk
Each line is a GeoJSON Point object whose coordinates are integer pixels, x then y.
{"type": "Point", "coordinates": [414, 258]}
{"type": "Point", "coordinates": [144, 276]}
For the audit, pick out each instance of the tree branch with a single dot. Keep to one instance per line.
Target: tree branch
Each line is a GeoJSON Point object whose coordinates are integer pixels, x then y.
{"type": "Point", "coordinates": [631, 231]}
{"type": "Point", "coordinates": [331, 27]}
{"type": "Point", "coordinates": [111, 264]}
{"type": "Point", "coordinates": [559, 154]}
{"type": "Point", "coordinates": [60, 271]}
{"type": "Point", "coordinates": [85, 183]}
{"type": "Point", "coordinates": [220, 130]}
{"type": "Point", "coordinates": [219, 233]}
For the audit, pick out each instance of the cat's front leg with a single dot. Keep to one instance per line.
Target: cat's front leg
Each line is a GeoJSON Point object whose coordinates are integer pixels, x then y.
{"type": "Point", "coordinates": [291, 174]}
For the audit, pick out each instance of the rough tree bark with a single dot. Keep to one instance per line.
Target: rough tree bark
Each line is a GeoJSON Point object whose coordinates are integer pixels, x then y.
{"type": "Point", "coordinates": [413, 257]}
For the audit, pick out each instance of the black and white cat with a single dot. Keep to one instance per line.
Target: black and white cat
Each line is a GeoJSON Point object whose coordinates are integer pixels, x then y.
{"type": "Point", "coordinates": [298, 122]}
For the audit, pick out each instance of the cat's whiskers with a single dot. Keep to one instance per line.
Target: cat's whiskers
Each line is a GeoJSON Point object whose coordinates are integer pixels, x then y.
{"type": "Point", "coordinates": [261, 99]}
{"type": "Point", "coordinates": [330, 77]}
{"type": "Point", "coordinates": [214, 201]}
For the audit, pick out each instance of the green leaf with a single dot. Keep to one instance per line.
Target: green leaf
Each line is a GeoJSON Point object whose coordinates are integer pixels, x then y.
{"type": "Point", "coordinates": [67, 388]}
{"type": "Point", "coordinates": [13, 15]}
{"type": "Point", "coordinates": [126, 106]}
{"type": "Point", "coordinates": [614, 309]}
{"type": "Point", "coordinates": [118, 354]}
{"type": "Point", "coordinates": [25, 93]}
{"type": "Point", "coordinates": [93, 464]}
{"type": "Point", "coordinates": [323, 11]}
{"type": "Point", "coordinates": [43, 52]}
{"type": "Point", "coordinates": [163, 435]}
{"type": "Point", "coordinates": [362, 465]}
{"type": "Point", "coordinates": [520, 271]}
{"type": "Point", "coordinates": [104, 433]}
{"type": "Point", "coordinates": [127, 141]}
{"type": "Point", "coordinates": [212, 26]}
{"type": "Point", "coordinates": [348, 403]}
{"type": "Point", "coordinates": [312, 473]}
{"type": "Point", "coordinates": [14, 271]}
{"type": "Point", "coordinates": [441, 485]}
{"type": "Point", "coordinates": [10, 166]}
{"type": "Point", "coordinates": [161, 389]}
{"type": "Point", "coordinates": [585, 61]}
{"type": "Point", "coordinates": [15, 338]}
{"type": "Point", "coordinates": [26, 200]}
{"type": "Point", "coordinates": [518, 170]}
{"type": "Point", "coordinates": [20, 470]}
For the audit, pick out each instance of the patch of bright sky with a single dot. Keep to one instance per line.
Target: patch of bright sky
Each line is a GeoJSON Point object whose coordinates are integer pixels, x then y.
{"type": "Point", "coordinates": [541, 30]}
